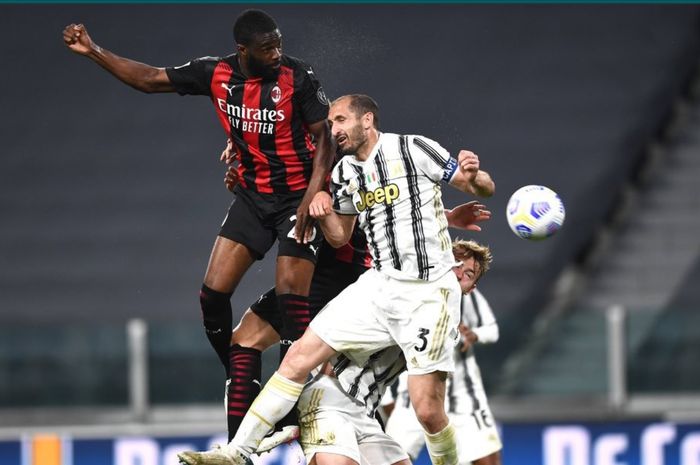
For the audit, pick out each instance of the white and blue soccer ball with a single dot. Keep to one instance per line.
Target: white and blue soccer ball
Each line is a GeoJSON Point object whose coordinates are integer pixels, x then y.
{"type": "Point", "coordinates": [535, 212]}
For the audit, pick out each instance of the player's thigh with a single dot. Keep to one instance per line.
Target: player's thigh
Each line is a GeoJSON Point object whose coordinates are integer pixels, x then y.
{"type": "Point", "coordinates": [228, 263]}
{"type": "Point", "coordinates": [328, 458]}
{"type": "Point", "coordinates": [493, 459]}
{"type": "Point", "coordinates": [293, 275]}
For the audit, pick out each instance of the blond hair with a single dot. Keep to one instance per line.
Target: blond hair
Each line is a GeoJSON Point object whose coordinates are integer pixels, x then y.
{"type": "Point", "coordinates": [463, 250]}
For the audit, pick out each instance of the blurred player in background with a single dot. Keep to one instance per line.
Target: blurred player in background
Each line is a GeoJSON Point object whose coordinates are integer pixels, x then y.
{"type": "Point", "coordinates": [410, 296]}
{"type": "Point", "coordinates": [466, 402]}
{"type": "Point", "coordinates": [274, 110]}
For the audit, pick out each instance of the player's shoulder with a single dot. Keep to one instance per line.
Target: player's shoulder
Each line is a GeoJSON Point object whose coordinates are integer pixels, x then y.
{"type": "Point", "coordinates": [204, 62]}
{"type": "Point", "coordinates": [419, 139]}
{"type": "Point", "coordinates": [212, 59]}
{"type": "Point", "coordinates": [296, 64]}
{"type": "Point", "coordinates": [301, 69]}
{"type": "Point", "coordinates": [345, 169]}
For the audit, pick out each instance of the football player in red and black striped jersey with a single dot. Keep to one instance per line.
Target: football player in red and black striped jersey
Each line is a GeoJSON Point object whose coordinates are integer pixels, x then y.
{"type": "Point", "coordinates": [275, 112]}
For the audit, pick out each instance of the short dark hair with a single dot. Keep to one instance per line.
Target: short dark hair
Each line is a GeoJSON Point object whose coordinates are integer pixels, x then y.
{"type": "Point", "coordinates": [250, 23]}
{"type": "Point", "coordinates": [361, 104]}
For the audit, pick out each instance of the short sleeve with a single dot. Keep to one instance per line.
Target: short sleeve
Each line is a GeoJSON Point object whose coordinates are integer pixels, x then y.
{"type": "Point", "coordinates": [311, 99]}
{"type": "Point", "coordinates": [343, 186]}
{"type": "Point", "coordinates": [194, 77]}
{"type": "Point", "coordinates": [432, 159]}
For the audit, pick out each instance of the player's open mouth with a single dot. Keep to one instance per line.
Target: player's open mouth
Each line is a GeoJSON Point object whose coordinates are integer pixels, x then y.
{"type": "Point", "coordinates": [341, 139]}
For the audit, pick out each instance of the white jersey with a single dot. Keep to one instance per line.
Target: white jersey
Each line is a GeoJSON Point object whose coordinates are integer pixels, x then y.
{"type": "Point", "coordinates": [367, 383]}
{"type": "Point", "coordinates": [465, 392]}
{"type": "Point", "coordinates": [396, 194]}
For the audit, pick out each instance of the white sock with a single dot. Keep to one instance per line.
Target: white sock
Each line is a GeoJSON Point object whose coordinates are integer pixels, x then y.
{"type": "Point", "coordinates": [276, 399]}
{"type": "Point", "coordinates": [442, 446]}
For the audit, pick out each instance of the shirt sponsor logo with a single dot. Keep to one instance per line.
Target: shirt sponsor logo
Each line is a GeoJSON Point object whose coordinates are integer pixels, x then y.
{"type": "Point", "coordinates": [385, 195]}
{"type": "Point", "coordinates": [256, 120]}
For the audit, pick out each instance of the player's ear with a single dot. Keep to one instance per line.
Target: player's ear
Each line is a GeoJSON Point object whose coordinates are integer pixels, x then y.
{"type": "Point", "coordinates": [242, 50]}
{"type": "Point", "coordinates": [368, 120]}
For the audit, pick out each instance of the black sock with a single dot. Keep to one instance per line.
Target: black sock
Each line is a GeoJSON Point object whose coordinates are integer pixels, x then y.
{"type": "Point", "coordinates": [296, 316]}
{"type": "Point", "coordinates": [245, 371]}
{"type": "Point", "coordinates": [218, 324]}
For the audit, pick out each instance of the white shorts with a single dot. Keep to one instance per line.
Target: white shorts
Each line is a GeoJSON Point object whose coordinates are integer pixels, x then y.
{"type": "Point", "coordinates": [378, 311]}
{"type": "Point", "coordinates": [476, 433]}
{"type": "Point", "coordinates": [333, 422]}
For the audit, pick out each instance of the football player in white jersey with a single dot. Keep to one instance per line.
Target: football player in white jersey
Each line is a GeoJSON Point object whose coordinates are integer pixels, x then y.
{"type": "Point", "coordinates": [337, 408]}
{"type": "Point", "coordinates": [466, 402]}
{"type": "Point", "coordinates": [410, 298]}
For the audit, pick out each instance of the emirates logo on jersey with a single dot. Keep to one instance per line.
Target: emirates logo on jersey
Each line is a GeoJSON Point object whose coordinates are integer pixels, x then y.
{"type": "Point", "coordinates": [276, 94]}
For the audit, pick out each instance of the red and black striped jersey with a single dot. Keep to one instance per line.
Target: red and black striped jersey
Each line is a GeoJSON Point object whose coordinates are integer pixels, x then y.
{"type": "Point", "coordinates": [354, 252]}
{"type": "Point", "coordinates": [267, 119]}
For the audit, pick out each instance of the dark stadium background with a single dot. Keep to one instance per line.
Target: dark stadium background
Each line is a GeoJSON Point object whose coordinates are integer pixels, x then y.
{"type": "Point", "coordinates": [110, 199]}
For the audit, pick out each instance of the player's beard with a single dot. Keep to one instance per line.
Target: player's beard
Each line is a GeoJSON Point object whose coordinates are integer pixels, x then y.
{"type": "Point", "coordinates": [259, 69]}
{"type": "Point", "coordinates": [356, 139]}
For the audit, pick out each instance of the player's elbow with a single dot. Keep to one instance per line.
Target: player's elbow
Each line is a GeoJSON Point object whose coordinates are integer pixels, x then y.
{"type": "Point", "coordinates": [337, 241]}
{"type": "Point", "coordinates": [152, 81]}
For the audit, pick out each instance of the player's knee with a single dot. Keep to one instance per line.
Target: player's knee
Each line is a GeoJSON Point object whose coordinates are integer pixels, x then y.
{"type": "Point", "coordinates": [214, 304]}
{"type": "Point", "coordinates": [431, 415]}
{"type": "Point", "coordinates": [303, 356]}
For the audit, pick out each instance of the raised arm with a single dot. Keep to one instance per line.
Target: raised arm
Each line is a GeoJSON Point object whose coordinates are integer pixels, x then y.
{"type": "Point", "coordinates": [323, 160]}
{"type": "Point", "coordinates": [140, 76]}
{"type": "Point", "coordinates": [470, 178]}
{"type": "Point", "coordinates": [336, 228]}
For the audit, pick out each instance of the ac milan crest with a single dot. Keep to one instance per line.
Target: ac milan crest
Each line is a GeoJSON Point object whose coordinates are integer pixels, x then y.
{"type": "Point", "coordinates": [276, 94]}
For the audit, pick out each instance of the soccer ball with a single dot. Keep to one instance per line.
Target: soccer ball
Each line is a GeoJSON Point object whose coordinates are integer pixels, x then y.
{"type": "Point", "coordinates": [535, 212]}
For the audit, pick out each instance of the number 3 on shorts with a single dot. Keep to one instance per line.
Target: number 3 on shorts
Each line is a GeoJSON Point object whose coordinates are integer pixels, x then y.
{"type": "Point", "coordinates": [422, 332]}
{"type": "Point", "coordinates": [290, 234]}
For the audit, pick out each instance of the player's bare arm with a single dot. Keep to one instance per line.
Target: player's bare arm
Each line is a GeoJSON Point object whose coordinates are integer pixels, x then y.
{"type": "Point", "coordinates": [336, 228]}
{"type": "Point", "coordinates": [467, 215]}
{"type": "Point", "coordinates": [470, 178]}
{"type": "Point", "coordinates": [323, 160]}
{"type": "Point", "coordinates": [140, 76]}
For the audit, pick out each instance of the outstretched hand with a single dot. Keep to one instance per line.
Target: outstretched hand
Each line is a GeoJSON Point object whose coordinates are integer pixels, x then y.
{"type": "Point", "coordinates": [467, 215]}
{"type": "Point", "coordinates": [76, 38]}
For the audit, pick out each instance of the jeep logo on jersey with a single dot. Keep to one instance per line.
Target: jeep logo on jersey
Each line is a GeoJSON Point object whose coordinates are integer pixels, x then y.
{"type": "Point", "coordinates": [385, 195]}
{"type": "Point", "coordinates": [276, 94]}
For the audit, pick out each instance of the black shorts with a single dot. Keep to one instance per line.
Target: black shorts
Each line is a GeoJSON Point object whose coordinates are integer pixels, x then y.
{"type": "Point", "coordinates": [258, 220]}
{"type": "Point", "coordinates": [329, 279]}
